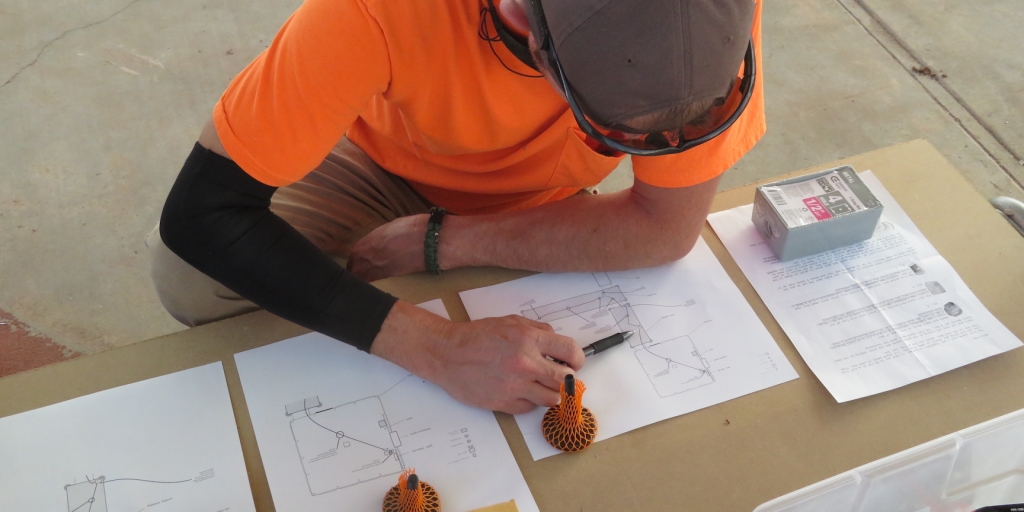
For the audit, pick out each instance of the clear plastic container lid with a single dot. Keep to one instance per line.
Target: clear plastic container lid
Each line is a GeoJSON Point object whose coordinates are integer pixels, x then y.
{"type": "Point", "coordinates": [976, 467]}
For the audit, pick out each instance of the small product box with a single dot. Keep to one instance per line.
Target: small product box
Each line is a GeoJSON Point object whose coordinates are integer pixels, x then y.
{"type": "Point", "coordinates": [815, 212]}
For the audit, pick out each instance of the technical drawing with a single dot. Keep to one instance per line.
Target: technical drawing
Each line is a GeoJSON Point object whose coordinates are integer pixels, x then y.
{"type": "Point", "coordinates": [346, 445]}
{"type": "Point", "coordinates": [667, 339]}
{"type": "Point", "coordinates": [371, 437]}
{"type": "Point", "coordinates": [578, 306]}
{"type": "Point", "coordinates": [675, 365]}
{"type": "Point", "coordinates": [91, 495]}
{"type": "Point", "coordinates": [88, 496]}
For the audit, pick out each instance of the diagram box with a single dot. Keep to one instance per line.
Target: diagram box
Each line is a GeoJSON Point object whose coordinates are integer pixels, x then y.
{"type": "Point", "coordinates": [345, 445]}
{"type": "Point", "coordinates": [91, 496]}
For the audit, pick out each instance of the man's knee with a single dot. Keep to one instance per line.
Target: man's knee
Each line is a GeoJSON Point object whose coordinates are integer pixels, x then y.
{"type": "Point", "coordinates": [191, 297]}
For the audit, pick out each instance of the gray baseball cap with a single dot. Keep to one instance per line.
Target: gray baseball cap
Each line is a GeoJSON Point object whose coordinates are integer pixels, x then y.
{"type": "Point", "coordinates": [628, 58]}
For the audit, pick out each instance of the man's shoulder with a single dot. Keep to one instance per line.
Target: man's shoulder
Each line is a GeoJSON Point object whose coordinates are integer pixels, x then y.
{"type": "Point", "coordinates": [422, 10]}
{"type": "Point", "coordinates": [431, 7]}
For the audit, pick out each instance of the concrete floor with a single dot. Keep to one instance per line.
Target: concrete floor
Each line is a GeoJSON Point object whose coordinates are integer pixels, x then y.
{"type": "Point", "coordinates": [101, 101]}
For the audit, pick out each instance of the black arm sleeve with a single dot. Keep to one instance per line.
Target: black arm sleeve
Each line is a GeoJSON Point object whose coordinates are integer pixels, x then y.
{"type": "Point", "coordinates": [218, 219]}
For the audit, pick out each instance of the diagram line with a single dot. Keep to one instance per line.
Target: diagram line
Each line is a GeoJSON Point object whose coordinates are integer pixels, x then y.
{"type": "Point", "coordinates": [149, 481]}
{"type": "Point", "coordinates": [87, 502]}
{"type": "Point", "coordinates": [96, 485]}
{"type": "Point", "coordinates": [659, 320]}
{"type": "Point", "coordinates": [687, 335]}
{"type": "Point", "coordinates": [629, 316]}
{"type": "Point", "coordinates": [393, 387]}
{"type": "Point", "coordinates": [648, 349]}
{"type": "Point", "coordinates": [698, 327]}
{"type": "Point", "coordinates": [306, 410]}
{"type": "Point", "coordinates": [391, 428]}
{"type": "Point", "coordinates": [381, 463]}
{"type": "Point", "coordinates": [668, 360]}
{"type": "Point", "coordinates": [658, 305]}
{"type": "Point", "coordinates": [541, 318]}
{"type": "Point", "coordinates": [569, 309]}
{"type": "Point", "coordinates": [92, 499]}
{"type": "Point", "coordinates": [364, 442]}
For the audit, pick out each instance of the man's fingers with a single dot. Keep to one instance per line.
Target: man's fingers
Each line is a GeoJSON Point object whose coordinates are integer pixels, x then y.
{"type": "Point", "coordinates": [539, 325]}
{"type": "Point", "coordinates": [518, 406]}
{"type": "Point", "coordinates": [546, 327]}
{"type": "Point", "coordinates": [562, 348]}
{"type": "Point", "coordinates": [541, 395]}
{"type": "Point", "coordinates": [552, 375]}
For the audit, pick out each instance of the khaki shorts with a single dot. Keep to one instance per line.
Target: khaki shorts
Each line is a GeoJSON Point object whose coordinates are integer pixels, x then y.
{"type": "Point", "coordinates": [343, 199]}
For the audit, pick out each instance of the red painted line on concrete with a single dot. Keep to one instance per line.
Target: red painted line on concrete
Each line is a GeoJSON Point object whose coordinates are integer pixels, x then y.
{"type": "Point", "coordinates": [21, 350]}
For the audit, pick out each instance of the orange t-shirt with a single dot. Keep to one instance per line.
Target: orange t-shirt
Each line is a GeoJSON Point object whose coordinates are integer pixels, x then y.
{"type": "Point", "coordinates": [414, 86]}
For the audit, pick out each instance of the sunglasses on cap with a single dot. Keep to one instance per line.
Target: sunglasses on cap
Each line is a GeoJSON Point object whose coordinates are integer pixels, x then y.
{"type": "Point", "coordinates": [720, 117]}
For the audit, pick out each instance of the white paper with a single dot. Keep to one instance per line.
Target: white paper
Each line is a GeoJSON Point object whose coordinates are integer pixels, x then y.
{"type": "Point", "coordinates": [336, 426]}
{"type": "Point", "coordinates": [167, 444]}
{"type": "Point", "coordinates": [698, 342]}
{"type": "Point", "coordinates": [436, 307]}
{"type": "Point", "coordinates": [872, 316]}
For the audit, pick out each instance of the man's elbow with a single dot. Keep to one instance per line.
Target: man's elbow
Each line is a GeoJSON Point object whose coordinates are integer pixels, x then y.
{"type": "Point", "coordinates": [671, 221]}
{"type": "Point", "coordinates": [669, 245]}
{"type": "Point", "coordinates": [678, 247]}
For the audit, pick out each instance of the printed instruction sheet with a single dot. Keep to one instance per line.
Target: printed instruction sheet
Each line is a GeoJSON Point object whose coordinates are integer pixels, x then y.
{"type": "Point", "coordinates": [167, 444]}
{"type": "Point", "coordinates": [336, 427]}
{"type": "Point", "coordinates": [697, 341]}
{"type": "Point", "coordinates": [872, 316]}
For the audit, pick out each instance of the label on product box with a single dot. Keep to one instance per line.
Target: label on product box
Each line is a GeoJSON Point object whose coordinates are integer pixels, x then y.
{"type": "Point", "coordinates": [818, 199]}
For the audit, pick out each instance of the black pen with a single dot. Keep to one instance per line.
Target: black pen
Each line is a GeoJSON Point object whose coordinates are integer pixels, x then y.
{"type": "Point", "coordinates": [1003, 508]}
{"type": "Point", "coordinates": [602, 345]}
{"type": "Point", "coordinates": [606, 343]}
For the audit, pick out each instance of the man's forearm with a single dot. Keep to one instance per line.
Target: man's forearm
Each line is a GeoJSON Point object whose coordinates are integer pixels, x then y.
{"type": "Point", "coordinates": [218, 219]}
{"type": "Point", "coordinates": [619, 231]}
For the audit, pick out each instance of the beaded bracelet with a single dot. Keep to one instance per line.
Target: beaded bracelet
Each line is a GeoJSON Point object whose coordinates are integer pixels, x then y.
{"type": "Point", "coordinates": [432, 239]}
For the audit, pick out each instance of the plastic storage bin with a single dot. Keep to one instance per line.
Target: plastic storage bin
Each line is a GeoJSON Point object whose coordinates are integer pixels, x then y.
{"type": "Point", "coordinates": [979, 466]}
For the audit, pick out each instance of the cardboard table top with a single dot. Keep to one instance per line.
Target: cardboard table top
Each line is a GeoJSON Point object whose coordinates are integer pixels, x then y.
{"type": "Point", "coordinates": [732, 456]}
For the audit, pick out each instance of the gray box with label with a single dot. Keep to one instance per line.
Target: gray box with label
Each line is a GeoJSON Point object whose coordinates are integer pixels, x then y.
{"type": "Point", "coordinates": [838, 210]}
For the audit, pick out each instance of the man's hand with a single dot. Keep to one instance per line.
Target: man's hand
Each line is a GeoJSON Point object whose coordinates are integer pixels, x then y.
{"type": "Point", "coordinates": [500, 363]}
{"type": "Point", "coordinates": [394, 249]}
{"type": "Point", "coordinates": [497, 363]}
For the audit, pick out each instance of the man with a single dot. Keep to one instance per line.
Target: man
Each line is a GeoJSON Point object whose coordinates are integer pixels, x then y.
{"type": "Point", "coordinates": [502, 114]}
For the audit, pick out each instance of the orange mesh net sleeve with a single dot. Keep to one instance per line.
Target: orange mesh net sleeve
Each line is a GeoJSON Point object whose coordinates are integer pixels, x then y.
{"type": "Point", "coordinates": [569, 426]}
{"type": "Point", "coordinates": [411, 495]}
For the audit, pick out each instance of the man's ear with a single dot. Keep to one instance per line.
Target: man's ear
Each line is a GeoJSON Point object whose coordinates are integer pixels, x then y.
{"type": "Point", "coordinates": [513, 13]}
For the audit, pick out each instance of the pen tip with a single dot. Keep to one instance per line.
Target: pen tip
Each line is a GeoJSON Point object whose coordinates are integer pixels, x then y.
{"type": "Point", "coordinates": [628, 334]}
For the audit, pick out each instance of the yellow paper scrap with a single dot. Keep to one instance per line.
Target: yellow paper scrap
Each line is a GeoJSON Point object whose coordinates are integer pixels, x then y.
{"type": "Point", "coordinates": [508, 506]}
